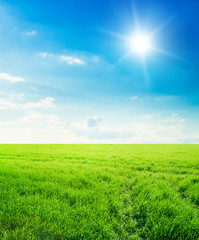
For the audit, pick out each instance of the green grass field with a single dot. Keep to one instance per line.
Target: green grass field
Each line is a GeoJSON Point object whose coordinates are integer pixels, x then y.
{"type": "Point", "coordinates": [99, 192]}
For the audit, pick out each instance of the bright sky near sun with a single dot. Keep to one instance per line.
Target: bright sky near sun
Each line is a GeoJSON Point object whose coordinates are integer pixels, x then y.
{"type": "Point", "coordinates": [101, 71]}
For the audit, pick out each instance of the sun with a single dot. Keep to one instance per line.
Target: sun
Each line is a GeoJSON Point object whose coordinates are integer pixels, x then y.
{"type": "Point", "coordinates": [140, 43]}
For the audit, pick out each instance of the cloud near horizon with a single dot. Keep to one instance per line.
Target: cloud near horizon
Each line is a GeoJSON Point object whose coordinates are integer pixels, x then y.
{"type": "Point", "coordinates": [38, 126]}
{"type": "Point", "coordinates": [43, 103]}
{"type": "Point", "coordinates": [93, 122]}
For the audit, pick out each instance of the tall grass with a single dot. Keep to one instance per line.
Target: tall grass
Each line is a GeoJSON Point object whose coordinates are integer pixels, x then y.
{"type": "Point", "coordinates": [99, 192]}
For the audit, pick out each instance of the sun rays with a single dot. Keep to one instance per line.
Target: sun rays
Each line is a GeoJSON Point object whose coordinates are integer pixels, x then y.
{"type": "Point", "coordinates": [141, 44]}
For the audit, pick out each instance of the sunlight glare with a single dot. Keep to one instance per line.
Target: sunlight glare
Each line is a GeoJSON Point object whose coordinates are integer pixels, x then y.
{"type": "Point", "coordinates": [140, 44]}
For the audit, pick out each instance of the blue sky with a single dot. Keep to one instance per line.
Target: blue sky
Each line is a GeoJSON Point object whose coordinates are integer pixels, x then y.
{"type": "Point", "coordinates": [68, 73]}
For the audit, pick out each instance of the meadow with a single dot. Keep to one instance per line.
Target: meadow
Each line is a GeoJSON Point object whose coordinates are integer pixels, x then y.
{"type": "Point", "coordinates": [99, 192]}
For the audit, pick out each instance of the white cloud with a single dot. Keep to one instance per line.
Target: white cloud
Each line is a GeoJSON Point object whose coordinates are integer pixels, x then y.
{"type": "Point", "coordinates": [97, 134]}
{"type": "Point", "coordinates": [147, 117]}
{"type": "Point", "coordinates": [32, 118]}
{"type": "Point", "coordinates": [157, 133]}
{"type": "Point", "coordinates": [5, 104]}
{"type": "Point", "coordinates": [43, 103]}
{"type": "Point", "coordinates": [16, 96]}
{"type": "Point", "coordinates": [134, 97]}
{"type": "Point", "coordinates": [12, 96]}
{"type": "Point", "coordinates": [11, 78]}
{"type": "Point", "coordinates": [71, 60]}
{"type": "Point", "coordinates": [150, 116]}
{"type": "Point", "coordinates": [175, 118]}
{"type": "Point", "coordinates": [94, 122]}
{"type": "Point", "coordinates": [40, 127]}
{"type": "Point", "coordinates": [166, 98]}
{"type": "Point", "coordinates": [3, 107]}
{"type": "Point", "coordinates": [196, 135]}
{"type": "Point", "coordinates": [31, 33]}
{"type": "Point", "coordinates": [34, 89]}
{"type": "Point", "coordinates": [96, 131]}
{"type": "Point", "coordinates": [176, 129]}
{"type": "Point", "coordinates": [45, 54]}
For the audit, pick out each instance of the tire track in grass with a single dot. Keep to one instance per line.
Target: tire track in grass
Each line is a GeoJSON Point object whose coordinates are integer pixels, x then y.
{"type": "Point", "coordinates": [164, 195]}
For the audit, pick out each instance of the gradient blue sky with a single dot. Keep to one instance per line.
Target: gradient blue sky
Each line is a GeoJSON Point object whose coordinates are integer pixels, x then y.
{"type": "Point", "coordinates": [65, 76]}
